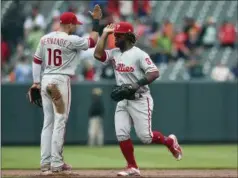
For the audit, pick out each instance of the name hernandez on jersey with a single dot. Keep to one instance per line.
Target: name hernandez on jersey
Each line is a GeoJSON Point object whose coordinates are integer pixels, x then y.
{"type": "Point", "coordinates": [59, 52]}
{"type": "Point", "coordinates": [130, 66]}
{"type": "Point", "coordinates": [57, 41]}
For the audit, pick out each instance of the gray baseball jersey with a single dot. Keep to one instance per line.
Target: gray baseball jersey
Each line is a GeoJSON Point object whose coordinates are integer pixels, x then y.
{"type": "Point", "coordinates": [59, 51]}
{"type": "Point", "coordinates": [130, 66]}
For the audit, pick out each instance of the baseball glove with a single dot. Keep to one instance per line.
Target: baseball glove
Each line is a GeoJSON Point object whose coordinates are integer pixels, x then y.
{"type": "Point", "coordinates": [34, 96]}
{"type": "Point", "coordinates": [125, 91]}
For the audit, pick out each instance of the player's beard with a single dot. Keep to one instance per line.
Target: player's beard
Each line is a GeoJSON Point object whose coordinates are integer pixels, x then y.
{"type": "Point", "coordinates": [120, 44]}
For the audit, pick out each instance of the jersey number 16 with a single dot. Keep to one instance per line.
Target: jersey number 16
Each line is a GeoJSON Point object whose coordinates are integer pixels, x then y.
{"type": "Point", "coordinates": [57, 59]}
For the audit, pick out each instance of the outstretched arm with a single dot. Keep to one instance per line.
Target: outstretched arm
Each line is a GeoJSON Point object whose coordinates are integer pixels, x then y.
{"type": "Point", "coordinates": [96, 15]}
{"type": "Point", "coordinates": [81, 43]}
{"type": "Point", "coordinates": [99, 52]}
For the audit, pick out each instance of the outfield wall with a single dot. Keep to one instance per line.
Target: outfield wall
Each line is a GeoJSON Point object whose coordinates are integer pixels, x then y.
{"type": "Point", "coordinates": [193, 111]}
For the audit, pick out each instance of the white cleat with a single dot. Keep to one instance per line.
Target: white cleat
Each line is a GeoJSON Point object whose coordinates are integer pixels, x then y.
{"type": "Point", "coordinates": [129, 172]}
{"type": "Point", "coordinates": [175, 149]}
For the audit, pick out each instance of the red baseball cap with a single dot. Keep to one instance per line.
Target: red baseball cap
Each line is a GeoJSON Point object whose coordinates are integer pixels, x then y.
{"type": "Point", "coordinates": [124, 27]}
{"type": "Point", "coordinates": [69, 18]}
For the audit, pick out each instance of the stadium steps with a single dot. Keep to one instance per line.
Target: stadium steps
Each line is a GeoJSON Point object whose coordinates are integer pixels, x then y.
{"type": "Point", "coordinates": [192, 8]}
{"type": "Point", "coordinates": [171, 70]}
{"type": "Point", "coordinates": [162, 68]}
{"type": "Point", "coordinates": [233, 59]}
{"type": "Point", "coordinates": [205, 55]}
{"type": "Point", "coordinates": [170, 10]}
{"type": "Point", "coordinates": [177, 9]}
{"type": "Point", "coordinates": [209, 60]}
{"type": "Point", "coordinates": [166, 72]}
{"type": "Point", "coordinates": [161, 8]}
{"type": "Point", "coordinates": [176, 70]}
{"type": "Point", "coordinates": [198, 9]}
{"type": "Point", "coordinates": [215, 59]}
{"type": "Point", "coordinates": [232, 11]}
{"type": "Point", "coordinates": [206, 58]}
{"type": "Point", "coordinates": [218, 12]}
{"type": "Point", "coordinates": [205, 12]}
{"type": "Point", "coordinates": [183, 13]}
{"type": "Point", "coordinates": [227, 9]}
{"type": "Point", "coordinates": [225, 56]}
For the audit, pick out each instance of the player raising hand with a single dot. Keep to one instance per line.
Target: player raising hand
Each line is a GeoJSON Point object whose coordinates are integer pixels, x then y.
{"type": "Point", "coordinates": [134, 71]}
{"type": "Point", "coordinates": [58, 51]}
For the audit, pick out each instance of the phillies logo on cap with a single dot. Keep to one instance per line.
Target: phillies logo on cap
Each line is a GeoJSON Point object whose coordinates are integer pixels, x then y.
{"type": "Point", "coordinates": [118, 26]}
{"type": "Point", "coordinates": [123, 27]}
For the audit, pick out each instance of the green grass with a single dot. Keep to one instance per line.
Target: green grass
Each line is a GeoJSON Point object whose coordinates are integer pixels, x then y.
{"type": "Point", "coordinates": [82, 157]}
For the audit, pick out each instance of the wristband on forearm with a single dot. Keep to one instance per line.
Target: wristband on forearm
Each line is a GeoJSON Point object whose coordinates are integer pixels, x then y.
{"type": "Point", "coordinates": [143, 81]}
{"type": "Point", "coordinates": [96, 26]}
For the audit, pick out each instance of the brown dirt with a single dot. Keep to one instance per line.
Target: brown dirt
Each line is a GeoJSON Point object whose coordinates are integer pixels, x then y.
{"type": "Point", "coordinates": [112, 174]}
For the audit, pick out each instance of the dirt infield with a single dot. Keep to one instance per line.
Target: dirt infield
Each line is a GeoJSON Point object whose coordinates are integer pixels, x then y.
{"type": "Point", "coordinates": [112, 174]}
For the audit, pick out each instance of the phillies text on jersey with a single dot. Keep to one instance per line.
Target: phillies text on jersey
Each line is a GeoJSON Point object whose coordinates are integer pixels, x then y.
{"type": "Point", "coordinates": [130, 66]}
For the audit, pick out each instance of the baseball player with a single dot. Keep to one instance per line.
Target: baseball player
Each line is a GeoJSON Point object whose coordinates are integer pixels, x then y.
{"type": "Point", "coordinates": [134, 70]}
{"type": "Point", "coordinates": [58, 50]}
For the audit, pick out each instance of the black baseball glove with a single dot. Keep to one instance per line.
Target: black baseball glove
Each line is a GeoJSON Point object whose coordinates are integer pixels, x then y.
{"type": "Point", "coordinates": [125, 91]}
{"type": "Point", "coordinates": [34, 96]}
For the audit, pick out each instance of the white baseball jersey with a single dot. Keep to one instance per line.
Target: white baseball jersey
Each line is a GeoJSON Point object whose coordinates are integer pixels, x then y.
{"type": "Point", "coordinates": [59, 52]}
{"type": "Point", "coordinates": [130, 66]}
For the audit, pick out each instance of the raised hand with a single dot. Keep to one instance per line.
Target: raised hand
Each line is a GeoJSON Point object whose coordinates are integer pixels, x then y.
{"type": "Point", "coordinates": [97, 12]}
{"type": "Point", "coordinates": [109, 29]}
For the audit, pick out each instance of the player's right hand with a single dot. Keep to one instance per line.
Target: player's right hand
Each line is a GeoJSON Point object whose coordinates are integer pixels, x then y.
{"type": "Point", "coordinates": [109, 29]}
{"type": "Point", "coordinates": [97, 12]}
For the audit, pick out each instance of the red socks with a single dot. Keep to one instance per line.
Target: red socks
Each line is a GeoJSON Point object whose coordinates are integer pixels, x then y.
{"type": "Point", "coordinates": [127, 150]}
{"type": "Point", "coordinates": [159, 138]}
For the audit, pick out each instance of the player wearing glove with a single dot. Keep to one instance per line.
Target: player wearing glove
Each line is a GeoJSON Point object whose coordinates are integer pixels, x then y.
{"type": "Point", "coordinates": [59, 52]}
{"type": "Point", "coordinates": [125, 91]}
{"type": "Point", "coordinates": [34, 95]}
{"type": "Point", "coordinates": [134, 70]}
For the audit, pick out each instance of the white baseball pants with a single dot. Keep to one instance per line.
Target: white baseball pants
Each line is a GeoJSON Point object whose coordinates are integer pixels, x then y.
{"type": "Point", "coordinates": [55, 118]}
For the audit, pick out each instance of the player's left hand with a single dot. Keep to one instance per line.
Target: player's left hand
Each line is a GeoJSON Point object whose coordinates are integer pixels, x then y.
{"type": "Point", "coordinates": [125, 91]}
{"type": "Point", "coordinates": [97, 12]}
{"type": "Point", "coordinates": [34, 94]}
{"type": "Point", "coordinates": [109, 29]}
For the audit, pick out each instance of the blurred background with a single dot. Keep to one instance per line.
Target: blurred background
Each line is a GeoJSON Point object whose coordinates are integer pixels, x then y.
{"type": "Point", "coordinates": [194, 45]}
{"type": "Point", "coordinates": [187, 40]}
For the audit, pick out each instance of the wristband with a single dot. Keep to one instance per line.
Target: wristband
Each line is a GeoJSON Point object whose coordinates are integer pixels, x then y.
{"type": "Point", "coordinates": [143, 81]}
{"type": "Point", "coordinates": [96, 26]}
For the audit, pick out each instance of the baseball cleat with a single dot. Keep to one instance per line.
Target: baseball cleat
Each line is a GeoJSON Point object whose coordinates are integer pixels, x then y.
{"type": "Point", "coordinates": [45, 167]}
{"type": "Point", "coordinates": [46, 173]}
{"type": "Point", "coordinates": [129, 171]}
{"type": "Point", "coordinates": [175, 148]}
{"type": "Point", "coordinates": [64, 168]}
